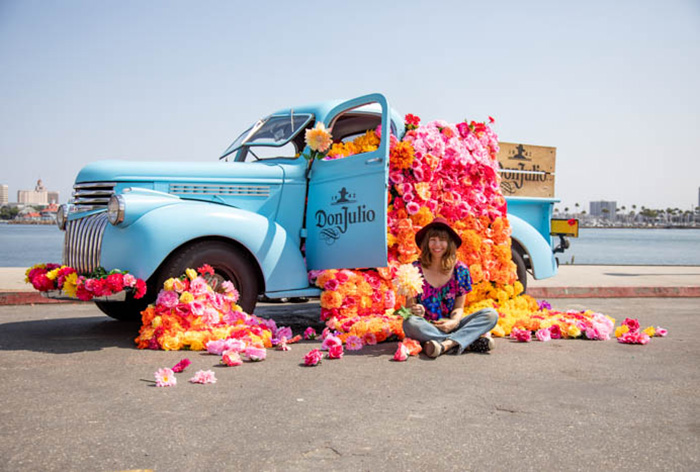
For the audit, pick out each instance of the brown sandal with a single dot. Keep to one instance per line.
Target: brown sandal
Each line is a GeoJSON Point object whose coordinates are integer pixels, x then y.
{"type": "Point", "coordinates": [433, 349]}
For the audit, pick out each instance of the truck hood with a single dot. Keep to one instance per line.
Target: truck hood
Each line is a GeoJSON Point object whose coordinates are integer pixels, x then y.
{"type": "Point", "coordinates": [134, 171]}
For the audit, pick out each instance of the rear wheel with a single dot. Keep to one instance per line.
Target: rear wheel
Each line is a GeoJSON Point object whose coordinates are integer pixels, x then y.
{"type": "Point", "coordinates": [521, 268]}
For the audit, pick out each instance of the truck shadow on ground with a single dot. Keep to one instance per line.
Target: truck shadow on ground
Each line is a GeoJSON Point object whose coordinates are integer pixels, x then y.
{"type": "Point", "coordinates": [68, 335]}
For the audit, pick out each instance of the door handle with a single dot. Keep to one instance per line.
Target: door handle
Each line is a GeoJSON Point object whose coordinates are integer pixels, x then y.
{"type": "Point", "coordinates": [374, 160]}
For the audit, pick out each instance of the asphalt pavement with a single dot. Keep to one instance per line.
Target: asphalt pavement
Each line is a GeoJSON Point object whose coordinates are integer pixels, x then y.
{"type": "Point", "coordinates": [73, 398]}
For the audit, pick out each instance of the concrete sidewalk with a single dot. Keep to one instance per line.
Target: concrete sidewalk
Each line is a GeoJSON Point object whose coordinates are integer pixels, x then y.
{"type": "Point", "coordinates": [572, 281]}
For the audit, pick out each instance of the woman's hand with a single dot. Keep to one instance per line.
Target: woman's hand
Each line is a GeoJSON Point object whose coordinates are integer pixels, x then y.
{"type": "Point", "coordinates": [418, 310]}
{"type": "Point", "coordinates": [446, 325]}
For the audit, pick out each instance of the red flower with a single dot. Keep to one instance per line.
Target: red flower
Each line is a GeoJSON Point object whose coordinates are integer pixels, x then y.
{"type": "Point", "coordinates": [491, 120]}
{"type": "Point", "coordinates": [206, 269]}
{"type": "Point", "coordinates": [572, 222]}
{"type": "Point", "coordinates": [182, 365]}
{"type": "Point", "coordinates": [115, 282]}
{"type": "Point", "coordinates": [412, 121]}
{"type": "Point", "coordinates": [140, 289]}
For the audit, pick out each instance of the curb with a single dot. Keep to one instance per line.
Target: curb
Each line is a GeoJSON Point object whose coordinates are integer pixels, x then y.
{"type": "Point", "coordinates": [614, 292]}
{"type": "Point", "coordinates": [27, 298]}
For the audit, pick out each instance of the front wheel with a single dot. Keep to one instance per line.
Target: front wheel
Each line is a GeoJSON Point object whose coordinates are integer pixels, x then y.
{"type": "Point", "coordinates": [128, 310]}
{"type": "Point", "coordinates": [228, 262]}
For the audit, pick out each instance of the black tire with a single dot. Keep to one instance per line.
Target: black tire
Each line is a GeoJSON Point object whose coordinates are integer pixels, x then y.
{"type": "Point", "coordinates": [521, 268]}
{"type": "Point", "coordinates": [229, 263]}
{"type": "Point", "coordinates": [128, 310]}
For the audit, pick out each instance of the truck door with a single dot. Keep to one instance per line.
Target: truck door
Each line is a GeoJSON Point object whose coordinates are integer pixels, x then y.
{"type": "Point", "coordinates": [346, 216]}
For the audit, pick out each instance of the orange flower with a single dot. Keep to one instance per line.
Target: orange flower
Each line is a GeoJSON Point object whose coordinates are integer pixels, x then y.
{"type": "Point", "coordinates": [401, 155]}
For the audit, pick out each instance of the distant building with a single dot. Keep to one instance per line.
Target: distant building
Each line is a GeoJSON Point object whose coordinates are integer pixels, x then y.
{"type": "Point", "coordinates": [603, 209]}
{"type": "Point", "coordinates": [38, 196]}
{"type": "Point", "coordinates": [4, 194]}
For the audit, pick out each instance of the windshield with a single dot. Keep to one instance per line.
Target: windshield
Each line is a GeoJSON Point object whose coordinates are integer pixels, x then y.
{"type": "Point", "coordinates": [275, 130]}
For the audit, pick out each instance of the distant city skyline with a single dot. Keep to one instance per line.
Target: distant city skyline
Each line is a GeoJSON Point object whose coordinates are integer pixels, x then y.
{"type": "Point", "coordinates": [611, 85]}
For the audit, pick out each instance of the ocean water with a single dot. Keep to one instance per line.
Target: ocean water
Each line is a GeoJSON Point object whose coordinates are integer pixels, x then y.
{"type": "Point", "coordinates": [25, 245]}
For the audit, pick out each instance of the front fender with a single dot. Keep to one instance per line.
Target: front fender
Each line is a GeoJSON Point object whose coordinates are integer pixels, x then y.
{"type": "Point", "coordinates": [542, 260]}
{"type": "Point", "coordinates": [142, 245]}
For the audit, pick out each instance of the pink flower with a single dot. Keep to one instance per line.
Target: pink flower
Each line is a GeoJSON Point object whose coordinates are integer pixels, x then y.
{"type": "Point", "coordinates": [521, 335]}
{"type": "Point", "coordinates": [216, 347]}
{"type": "Point", "coordinates": [198, 286]}
{"type": "Point", "coordinates": [412, 208]}
{"type": "Point", "coordinates": [283, 346]}
{"type": "Point", "coordinates": [634, 337]}
{"type": "Point", "coordinates": [209, 315]}
{"type": "Point", "coordinates": [370, 339]}
{"type": "Point", "coordinates": [203, 377]}
{"type": "Point", "coordinates": [283, 332]}
{"type": "Point", "coordinates": [331, 341]}
{"type": "Point", "coordinates": [310, 333]}
{"type": "Point", "coordinates": [181, 366]}
{"type": "Point", "coordinates": [313, 358]}
{"type": "Point", "coordinates": [401, 353]}
{"type": "Point", "coordinates": [255, 354]}
{"type": "Point", "coordinates": [231, 358]}
{"type": "Point", "coordinates": [168, 299]}
{"type": "Point", "coordinates": [555, 331]}
{"type": "Point", "coordinates": [237, 345]}
{"type": "Point", "coordinates": [661, 332]}
{"type": "Point", "coordinates": [165, 377]}
{"type": "Point", "coordinates": [129, 280]}
{"type": "Point", "coordinates": [335, 351]}
{"type": "Point", "coordinates": [631, 323]}
{"type": "Point", "coordinates": [353, 343]}
{"type": "Point", "coordinates": [331, 285]}
{"type": "Point", "coordinates": [543, 335]}
{"type": "Point", "coordinates": [230, 290]}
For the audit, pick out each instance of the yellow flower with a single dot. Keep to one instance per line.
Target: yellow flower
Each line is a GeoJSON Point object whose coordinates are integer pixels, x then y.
{"type": "Point", "coordinates": [52, 274]}
{"type": "Point", "coordinates": [172, 343]}
{"type": "Point", "coordinates": [573, 331]}
{"type": "Point", "coordinates": [186, 297]}
{"type": "Point", "coordinates": [191, 273]}
{"type": "Point", "coordinates": [620, 330]}
{"type": "Point", "coordinates": [157, 321]}
{"type": "Point", "coordinates": [195, 340]}
{"type": "Point", "coordinates": [650, 331]}
{"type": "Point", "coordinates": [318, 138]}
{"type": "Point", "coordinates": [168, 285]}
{"type": "Point", "coordinates": [70, 284]}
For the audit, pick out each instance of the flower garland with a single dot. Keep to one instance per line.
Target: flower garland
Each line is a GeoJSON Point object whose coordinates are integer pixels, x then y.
{"type": "Point", "coordinates": [85, 287]}
{"type": "Point", "coordinates": [190, 314]}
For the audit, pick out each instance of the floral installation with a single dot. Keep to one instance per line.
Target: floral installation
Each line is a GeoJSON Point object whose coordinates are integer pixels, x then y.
{"type": "Point", "coordinates": [446, 170]}
{"type": "Point", "coordinates": [85, 287]}
{"type": "Point", "coordinates": [190, 314]}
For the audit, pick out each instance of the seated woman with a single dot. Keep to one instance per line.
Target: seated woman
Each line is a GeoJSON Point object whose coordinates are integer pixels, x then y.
{"type": "Point", "coordinates": [438, 322]}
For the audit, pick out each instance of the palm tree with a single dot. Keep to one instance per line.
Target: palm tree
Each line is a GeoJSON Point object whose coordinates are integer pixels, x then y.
{"type": "Point", "coordinates": [576, 205]}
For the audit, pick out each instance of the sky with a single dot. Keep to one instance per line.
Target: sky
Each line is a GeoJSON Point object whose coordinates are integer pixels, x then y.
{"type": "Point", "coordinates": [614, 86]}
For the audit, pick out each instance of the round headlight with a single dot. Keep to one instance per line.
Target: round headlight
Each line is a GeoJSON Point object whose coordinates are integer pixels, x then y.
{"type": "Point", "coordinates": [62, 217]}
{"type": "Point", "coordinates": [115, 209]}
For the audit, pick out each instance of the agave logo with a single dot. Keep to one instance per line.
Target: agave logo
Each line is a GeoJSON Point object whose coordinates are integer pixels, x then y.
{"type": "Point", "coordinates": [344, 213]}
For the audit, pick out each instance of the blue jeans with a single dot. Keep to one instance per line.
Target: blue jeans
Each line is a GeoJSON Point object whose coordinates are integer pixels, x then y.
{"type": "Point", "coordinates": [470, 328]}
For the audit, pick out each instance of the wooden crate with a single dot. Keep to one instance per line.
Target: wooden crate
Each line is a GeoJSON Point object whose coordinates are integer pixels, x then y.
{"type": "Point", "coordinates": [527, 170]}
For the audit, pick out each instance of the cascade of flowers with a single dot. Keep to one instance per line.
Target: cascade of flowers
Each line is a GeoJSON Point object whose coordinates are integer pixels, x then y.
{"type": "Point", "coordinates": [451, 171]}
{"type": "Point", "coordinates": [100, 283]}
{"type": "Point", "coordinates": [190, 314]}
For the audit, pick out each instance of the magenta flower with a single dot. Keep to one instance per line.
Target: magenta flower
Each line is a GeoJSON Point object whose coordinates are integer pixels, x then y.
{"type": "Point", "coordinates": [167, 298]}
{"type": "Point", "coordinates": [521, 335]}
{"type": "Point", "coordinates": [555, 331]}
{"type": "Point", "coordinates": [313, 358]}
{"type": "Point", "coordinates": [353, 343]}
{"type": "Point", "coordinates": [203, 377]}
{"type": "Point", "coordinates": [181, 366]}
{"type": "Point", "coordinates": [631, 323]}
{"type": "Point", "coordinates": [335, 351]}
{"type": "Point", "coordinates": [330, 341]}
{"type": "Point", "coordinates": [165, 377]}
{"type": "Point", "coordinates": [661, 332]}
{"type": "Point", "coordinates": [310, 333]}
{"type": "Point", "coordinates": [634, 337]}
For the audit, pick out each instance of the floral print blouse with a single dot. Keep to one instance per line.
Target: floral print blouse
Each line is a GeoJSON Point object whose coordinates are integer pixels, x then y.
{"type": "Point", "coordinates": [440, 301]}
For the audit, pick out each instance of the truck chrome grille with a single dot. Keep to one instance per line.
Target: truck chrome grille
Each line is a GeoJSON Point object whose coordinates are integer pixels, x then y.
{"type": "Point", "coordinates": [92, 195]}
{"type": "Point", "coordinates": [225, 190]}
{"type": "Point", "coordinates": [83, 242]}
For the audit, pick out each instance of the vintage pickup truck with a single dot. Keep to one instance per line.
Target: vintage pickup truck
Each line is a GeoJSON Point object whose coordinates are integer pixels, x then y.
{"type": "Point", "coordinates": [260, 215]}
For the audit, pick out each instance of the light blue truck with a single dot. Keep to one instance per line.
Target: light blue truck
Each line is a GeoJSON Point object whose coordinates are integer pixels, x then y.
{"type": "Point", "coordinates": [262, 215]}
